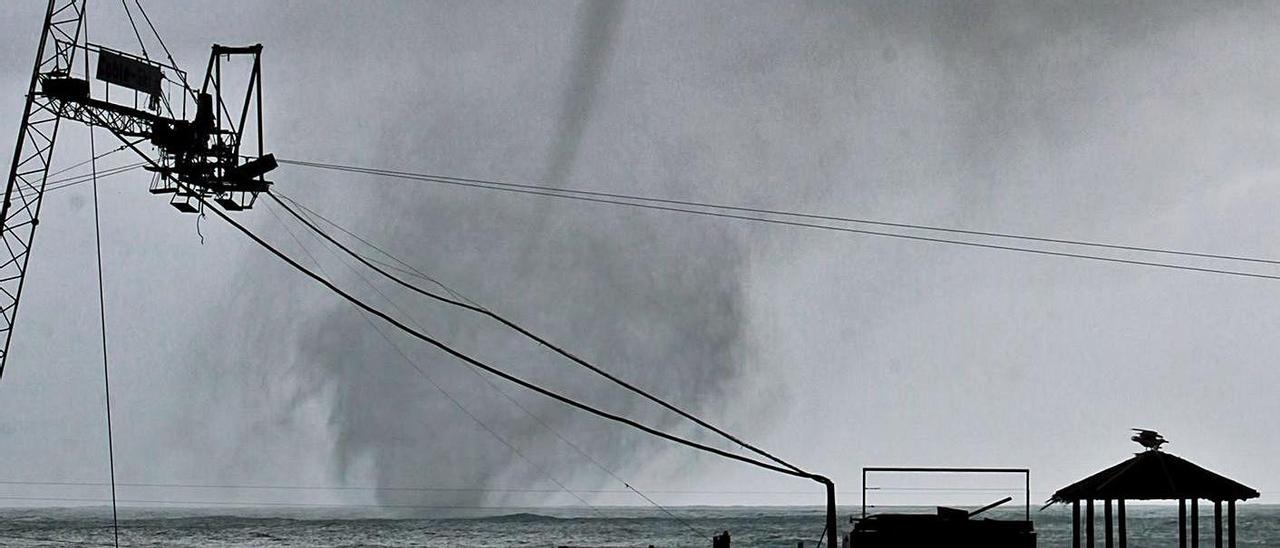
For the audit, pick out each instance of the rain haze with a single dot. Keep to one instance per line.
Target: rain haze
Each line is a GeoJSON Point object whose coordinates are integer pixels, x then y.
{"type": "Point", "coordinates": [1137, 123]}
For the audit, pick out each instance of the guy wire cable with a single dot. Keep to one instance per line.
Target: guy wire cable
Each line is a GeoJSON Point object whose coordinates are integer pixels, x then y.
{"type": "Point", "coordinates": [414, 365]}
{"type": "Point", "coordinates": [518, 328]}
{"type": "Point", "coordinates": [410, 270]}
{"type": "Point", "coordinates": [498, 390]}
{"type": "Point", "coordinates": [482, 365]}
{"type": "Point", "coordinates": [293, 263]}
{"type": "Point", "coordinates": [713, 210]}
{"type": "Point", "coordinates": [102, 307]}
{"type": "Point", "coordinates": [102, 310]}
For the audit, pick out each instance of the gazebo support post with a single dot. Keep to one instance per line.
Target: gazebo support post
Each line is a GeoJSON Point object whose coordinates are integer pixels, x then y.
{"type": "Point", "coordinates": [1217, 524]}
{"type": "Point", "coordinates": [1124, 536]}
{"type": "Point", "coordinates": [1088, 523]}
{"type": "Point", "coordinates": [1231, 524]}
{"type": "Point", "coordinates": [1075, 524]}
{"type": "Point", "coordinates": [1106, 515]}
{"type": "Point", "coordinates": [1153, 475]}
{"type": "Point", "coordinates": [1195, 523]}
{"type": "Point", "coordinates": [1182, 523]}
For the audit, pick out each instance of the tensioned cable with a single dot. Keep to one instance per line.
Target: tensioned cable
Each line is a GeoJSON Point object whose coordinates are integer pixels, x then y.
{"type": "Point", "coordinates": [415, 272]}
{"type": "Point", "coordinates": [172, 62]}
{"type": "Point", "coordinates": [525, 332]}
{"type": "Point", "coordinates": [486, 367]}
{"type": "Point", "coordinates": [504, 394]}
{"type": "Point", "coordinates": [82, 179]}
{"type": "Point", "coordinates": [407, 268]}
{"type": "Point", "coordinates": [102, 304]}
{"type": "Point", "coordinates": [142, 45]}
{"type": "Point", "coordinates": [475, 362]}
{"type": "Point", "coordinates": [93, 158]}
{"type": "Point", "coordinates": [649, 203]}
{"type": "Point", "coordinates": [102, 310]}
{"type": "Point", "coordinates": [74, 180]}
{"type": "Point", "coordinates": [475, 307]}
{"type": "Point", "coordinates": [509, 399]}
{"type": "Point", "coordinates": [414, 365]}
{"type": "Point", "coordinates": [992, 234]}
{"type": "Point", "coordinates": [914, 226]}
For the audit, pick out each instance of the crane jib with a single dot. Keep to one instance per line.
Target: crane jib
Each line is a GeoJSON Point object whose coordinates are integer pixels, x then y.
{"type": "Point", "coordinates": [199, 153]}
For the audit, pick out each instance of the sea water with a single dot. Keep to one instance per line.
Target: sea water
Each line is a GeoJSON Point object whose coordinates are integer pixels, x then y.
{"type": "Point", "coordinates": [1258, 525]}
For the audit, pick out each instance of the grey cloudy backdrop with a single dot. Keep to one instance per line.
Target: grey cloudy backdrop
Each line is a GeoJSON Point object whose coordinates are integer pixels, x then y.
{"type": "Point", "coordinates": [1148, 123]}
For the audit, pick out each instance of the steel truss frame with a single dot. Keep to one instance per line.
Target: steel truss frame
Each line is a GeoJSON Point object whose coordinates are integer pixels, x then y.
{"type": "Point", "coordinates": [24, 193]}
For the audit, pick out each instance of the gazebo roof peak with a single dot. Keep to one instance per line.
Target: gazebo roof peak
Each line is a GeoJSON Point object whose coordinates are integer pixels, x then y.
{"type": "Point", "coordinates": [1154, 475]}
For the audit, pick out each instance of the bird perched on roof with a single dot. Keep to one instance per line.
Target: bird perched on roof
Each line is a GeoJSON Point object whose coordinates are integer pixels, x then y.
{"type": "Point", "coordinates": [1150, 439]}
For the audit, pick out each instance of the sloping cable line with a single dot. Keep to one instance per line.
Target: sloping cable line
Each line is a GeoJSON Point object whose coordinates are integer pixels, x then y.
{"type": "Point", "coordinates": [407, 268]}
{"type": "Point", "coordinates": [802, 215]}
{"type": "Point", "coordinates": [102, 309]}
{"type": "Point", "coordinates": [293, 263]}
{"type": "Point", "coordinates": [718, 211]}
{"type": "Point", "coordinates": [821, 537]}
{"type": "Point", "coordinates": [480, 364]}
{"type": "Point", "coordinates": [404, 267]}
{"type": "Point", "coordinates": [499, 390]}
{"type": "Point", "coordinates": [137, 34]}
{"type": "Point", "coordinates": [430, 380]}
{"type": "Point", "coordinates": [93, 159]}
{"type": "Point", "coordinates": [80, 180]}
{"type": "Point", "coordinates": [476, 307]}
{"type": "Point", "coordinates": [629, 488]}
{"type": "Point", "coordinates": [75, 180]}
{"type": "Point", "coordinates": [540, 340]}
{"type": "Point", "coordinates": [185, 85]}
{"type": "Point", "coordinates": [447, 349]}
{"type": "Point", "coordinates": [541, 469]}
{"type": "Point", "coordinates": [555, 432]}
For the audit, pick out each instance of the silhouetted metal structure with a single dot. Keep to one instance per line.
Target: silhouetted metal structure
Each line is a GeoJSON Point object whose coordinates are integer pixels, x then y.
{"type": "Point", "coordinates": [947, 527]}
{"type": "Point", "coordinates": [200, 156]}
{"type": "Point", "coordinates": [1153, 475]}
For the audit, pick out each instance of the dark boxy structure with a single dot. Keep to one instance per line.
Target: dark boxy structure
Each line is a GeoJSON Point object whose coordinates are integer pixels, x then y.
{"type": "Point", "coordinates": [1154, 475]}
{"type": "Point", "coordinates": [948, 527]}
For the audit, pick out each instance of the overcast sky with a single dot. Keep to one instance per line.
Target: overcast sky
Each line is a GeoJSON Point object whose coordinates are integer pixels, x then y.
{"type": "Point", "coordinates": [1145, 123]}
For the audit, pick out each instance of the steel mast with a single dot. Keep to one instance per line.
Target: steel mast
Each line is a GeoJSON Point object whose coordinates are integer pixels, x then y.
{"type": "Point", "coordinates": [197, 158]}
{"type": "Point", "coordinates": [24, 193]}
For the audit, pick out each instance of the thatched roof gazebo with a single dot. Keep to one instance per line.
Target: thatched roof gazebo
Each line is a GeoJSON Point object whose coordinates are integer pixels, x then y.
{"type": "Point", "coordinates": [1154, 475]}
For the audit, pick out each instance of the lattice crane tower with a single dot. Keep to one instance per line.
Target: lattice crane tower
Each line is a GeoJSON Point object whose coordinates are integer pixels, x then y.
{"type": "Point", "coordinates": [197, 139]}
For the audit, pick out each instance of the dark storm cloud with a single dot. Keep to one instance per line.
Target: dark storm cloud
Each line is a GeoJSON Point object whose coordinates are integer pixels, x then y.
{"type": "Point", "coordinates": [1145, 122]}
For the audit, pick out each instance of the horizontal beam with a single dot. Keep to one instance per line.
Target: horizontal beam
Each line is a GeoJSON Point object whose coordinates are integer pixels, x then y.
{"type": "Point", "coordinates": [946, 469]}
